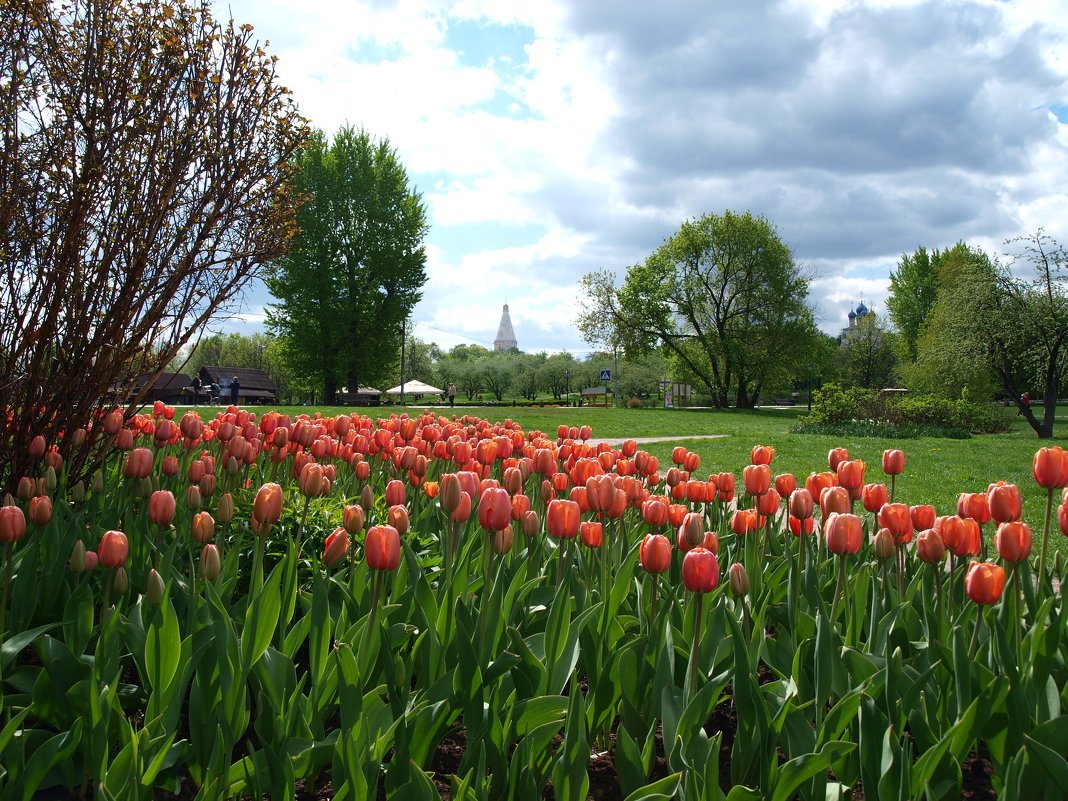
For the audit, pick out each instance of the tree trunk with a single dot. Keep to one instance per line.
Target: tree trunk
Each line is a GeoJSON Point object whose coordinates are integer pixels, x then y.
{"type": "Point", "coordinates": [330, 390]}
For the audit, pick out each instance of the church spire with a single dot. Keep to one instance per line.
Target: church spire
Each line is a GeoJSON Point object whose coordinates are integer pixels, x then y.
{"type": "Point", "coordinates": [505, 334]}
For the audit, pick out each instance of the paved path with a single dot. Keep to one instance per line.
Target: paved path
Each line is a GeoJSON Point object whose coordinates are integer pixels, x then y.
{"type": "Point", "coordinates": [615, 443]}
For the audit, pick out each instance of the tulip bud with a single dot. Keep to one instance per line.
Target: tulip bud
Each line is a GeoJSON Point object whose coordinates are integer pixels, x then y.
{"type": "Point", "coordinates": [692, 529]}
{"type": "Point", "coordinates": [155, 587]}
{"type": "Point", "coordinates": [77, 492]}
{"type": "Point", "coordinates": [161, 508]}
{"type": "Point", "coordinates": [203, 527]}
{"type": "Point", "coordinates": [92, 559]}
{"type": "Point", "coordinates": [503, 539]}
{"type": "Point", "coordinates": [531, 523]}
{"type": "Point", "coordinates": [113, 549]}
{"type": "Point", "coordinates": [25, 489]}
{"type": "Point", "coordinates": [883, 543]}
{"type": "Point", "coordinates": [929, 546]}
{"type": "Point", "coordinates": [267, 508]}
{"type": "Point", "coordinates": [12, 524]}
{"type": "Point", "coordinates": [40, 510]}
{"type": "Point", "coordinates": [50, 480]}
{"type": "Point", "coordinates": [367, 497]}
{"type": "Point", "coordinates": [77, 439]}
{"type": "Point", "coordinates": [210, 562]}
{"type": "Point", "coordinates": [738, 579]}
{"type": "Point", "coordinates": [145, 487]}
{"type": "Point", "coordinates": [77, 557]}
{"type": "Point", "coordinates": [192, 497]}
{"type": "Point", "coordinates": [224, 510]}
{"type": "Point", "coordinates": [397, 516]}
{"type": "Point", "coordinates": [121, 581]}
{"type": "Point", "coordinates": [336, 546]}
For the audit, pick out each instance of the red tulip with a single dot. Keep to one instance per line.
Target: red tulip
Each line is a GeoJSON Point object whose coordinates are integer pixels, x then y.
{"type": "Point", "coordinates": [744, 521]}
{"type": "Point", "coordinates": [1062, 518]}
{"type": "Point", "coordinates": [336, 546]}
{"type": "Point", "coordinates": [757, 478]}
{"type": "Point", "coordinates": [816, 483]}
{"type": "Point", "coordinates": [654, 512]}
{"type": "Point", "coordinates": [874, 497]}
{"type": "Point", "coordinates": [562, 518]}
{"type": "Point", "coordinates": [971, 543]}
{"type": "Point", "coordinates": [37, 447]}
{"type": "Point", "coordinates": [975, 505]}
{"type": "Point", "coordinates": [951, 529]}
{"type": "Point", "coordinates": [844, 533]}
{"type": "Point", "coordinates": [923, 516]}
{"type": "Point", "coordinates": [138, 463]}
{"type": "Point", "coordinates": [700, 570]}
{"type": "Point", "coordinates": [40, 510]}
{"type": "Point", "coordinates": [12, 524]}
{"type": "Point", "coordinates": [835, 457]}
{"type": "Point", "coordinates": [382, 548]}
{"type": "Point", "coordinates": [797, 525]}
{"type": "Point", "coordinates": [113, 549]}
{"type": "Point", "coordinates": [1013, 541]}
{"type": "Point", "coordinates": [678, 454]}
{"type": "Point", "coordinates": [1005, 502]}
{"type": "Point", "coordinates": [761, 454]}
{"type": "Point", "coordinates": [851, 474]}
{"type": "Point", "coordinates": [463, 509]}
{"type": "Point", "coordinates": [785, 484]}
{"type": "Point", "coordinates": [352, 519]}
{"type": "Point", "coordinates": [929, 546]}
{"type": "Point", "coordinates": [769, 503]}
{"type": "Point", "coordinates": [984, 582]}
{"type": "Point", "coordinates": [1050, 467]}
{"type": "Point", "coordinates": [592, 533]}
{"type": "Point", "coordinates": [395, 493]}
{"type": "Point", "coordinates": [725, 487]}
{"type": "Point", "coordinates": [494, 508]}
{"type": "Point", "coordinates": [835, 499]}
{"type": "Point", "coordinates": [655, 553]}
{"type": "Point", "coordinates": [893, 462]}
{"type": "Point", "coordinates": [896, 517]}
{"type": "Point", "coordinates": [801, 504]}
{"type": "Point", "coordinates": [161, 507]}
{"type": "Point", "coordinates": [397, 516]}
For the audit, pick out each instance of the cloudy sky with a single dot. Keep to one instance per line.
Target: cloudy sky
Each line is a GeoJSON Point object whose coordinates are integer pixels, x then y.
{"type": "Point", "coordinates": [556, 137]}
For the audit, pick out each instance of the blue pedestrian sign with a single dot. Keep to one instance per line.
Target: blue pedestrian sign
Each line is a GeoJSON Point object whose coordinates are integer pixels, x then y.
{"type": "Point", "coordinates": [606, 375]}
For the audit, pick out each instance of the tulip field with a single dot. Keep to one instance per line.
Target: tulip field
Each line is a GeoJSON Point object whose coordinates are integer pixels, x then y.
{"type": "Point", "coordinates": [427, 607]}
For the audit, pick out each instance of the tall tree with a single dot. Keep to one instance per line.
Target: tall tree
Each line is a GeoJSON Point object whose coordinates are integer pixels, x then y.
{"type": "Point", "coordinates": [145, 161]}
{"type": "Point", "coordinates": [913, 291]}
{"type": "Point", "coordinates": [357, 265]}
{"type": "Point", "coordinates": [723, 295]}
{"type": "Point", "coordinates": [867, 354]}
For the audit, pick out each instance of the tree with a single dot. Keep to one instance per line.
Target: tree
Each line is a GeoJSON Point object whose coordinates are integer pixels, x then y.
{"type": "Point", "coordinates": [357, 264]}
{"type": "Point", "coordinates": [867, 354]}
{"type": "Point", "coordinates": [145, 174]}
{"type": "Point", "coordinates": [556, 373]}
{"type": "Point", "coordinates": [723, 296]}
{"type": "Point", "coordinates": [913, 291]}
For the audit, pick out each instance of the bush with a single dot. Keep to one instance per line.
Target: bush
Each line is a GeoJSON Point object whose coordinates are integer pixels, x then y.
{"type": "Point", "coordinates": [865, 412]}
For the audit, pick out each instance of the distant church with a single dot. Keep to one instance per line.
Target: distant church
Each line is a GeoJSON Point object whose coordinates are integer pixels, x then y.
{"type": "Point", "coordinates": [505, 333]}
{"type": "Point", "coordinates": [855, 317]}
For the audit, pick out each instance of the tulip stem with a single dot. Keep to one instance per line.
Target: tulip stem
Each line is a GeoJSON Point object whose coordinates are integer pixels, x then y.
{"type": "Point", "coordinates": [839, 590]}
{"type": "Point", "coordinates": [893, 479]}
{"type": "Point", "coordinates": [652, 605]}
{"type": "Point", "coordinates": [257, 560]}
{"type": "Point", "coordinates": [696, 646]}
{"type": "Point", "coordinates": [974, 649]}
{"type": "Point", "coordinates": [7, 585]}
{"type": "Point", "coordinates": [1045, 537]}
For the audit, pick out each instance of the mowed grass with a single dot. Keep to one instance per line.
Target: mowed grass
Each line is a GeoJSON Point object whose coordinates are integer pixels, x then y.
{"type": "Point", "coordinates": [937, 470]}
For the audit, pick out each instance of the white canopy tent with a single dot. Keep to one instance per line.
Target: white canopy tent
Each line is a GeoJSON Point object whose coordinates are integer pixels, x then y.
{"type": "Point", "coordinates": [415, 388]}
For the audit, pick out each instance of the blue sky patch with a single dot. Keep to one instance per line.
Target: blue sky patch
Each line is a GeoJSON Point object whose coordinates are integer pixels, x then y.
{"type": "Point", "coordinates": [477, 43]}
{"type": "Point", "coordinates": [1060, 111]}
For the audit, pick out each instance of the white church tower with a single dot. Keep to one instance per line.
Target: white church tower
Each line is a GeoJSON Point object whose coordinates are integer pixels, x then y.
{"type": "Point", "coordinates": [505, 334]}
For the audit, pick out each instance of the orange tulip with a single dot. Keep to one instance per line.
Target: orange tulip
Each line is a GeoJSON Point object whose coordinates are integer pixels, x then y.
{"type": "Point", "coordinates": [336, 546]}
{"type": "Point", "coordinates": [655, 553]}
{"type": "Point", "coordinates": [797, 525]}
{"type": "Point", "coordinates": [1062, 518]}
{"type": "Point", "coordinates": [874, 497]}
{"type": "Point", "coordinates": [396, 494]}
{"type": "Point", "coordinates": [769, 502]}
{"type": "Point", "coordinates": [984, 582]}
{"type": "Point", "coordinates": [352, 519]}
{"type": "Point", "coordinates": [1013, 541]}
{"type": "Point", "coordinates": [113, 549]}
{"type": "Point", "coordinates": [12, 524]}
{"type": "Point", "coordinates": [676, 512]}
{"type": "Point", "coordinates": [896, 517]}
{"type": "Point", "coordinates": [929, 546]}
{"type": "Point", "coordinates": [744, 521]}
{"type": "Point", "coordinates": [951, 529]}
{"type": "Point", "coordinates": [757, 478]}
{"type": "Point", "coordinates": [1005, 502]}
{"type": "Point", "coordinates": [975, 505]}
{"type": "Point", "coordinates": [203, 528]}
{"type": "Point", "coordinates": [267, 508]}
{"type": "Point", "coordinates": [844, 533]}
{"type": "Point", "coordinates": [816, 483]}
{"type": "Point", "coordinates": [562, 518]}
{"type": "Point", "coordinates": [654, 512]}
{"type": "Point", "coordinates": [700, 570]}
{"type": "Point", "coordinates": [761, 454]}
{"type": "Point", "coordinates": [397, 516]}
{"type": "Point", "coordinates": [725, 487]}
{"type": "Point", "coordinates": [463, 509]}
{"type": "Point", "coordinates": [836, 456]}
{"type": "Point", "coordinates": [1050, 467]}
{"type": "Point", "coordinates": [382, 548]}
{"type": "Point", "coordinates": [923, 516]}
{"type": "Point", "coordinates": [893, 462]}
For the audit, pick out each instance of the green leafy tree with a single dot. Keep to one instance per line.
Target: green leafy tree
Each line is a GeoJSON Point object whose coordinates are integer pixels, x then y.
{"type": "Point", "coordinates": [913, 291]}
{"type": "Point", "coordinates": [867, 354]}
{"type": "Point", "coordinates": [723, 296]}
{"type": "Point", "coordinates": [357, 264]}
{"type": "Point", "coordinates": [555, 373]}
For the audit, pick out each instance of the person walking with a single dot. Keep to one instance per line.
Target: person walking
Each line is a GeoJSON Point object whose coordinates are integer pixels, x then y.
{"type": "Point", "coordinates": [235, 388]}
{"type": "Point", "coordinates": [196, 390]}
{"type": "Point", "coordinates": [451, 392]}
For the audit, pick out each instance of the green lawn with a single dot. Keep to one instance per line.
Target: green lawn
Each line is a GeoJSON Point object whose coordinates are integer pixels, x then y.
{"type": "Point", "coordinates": [937, 470]}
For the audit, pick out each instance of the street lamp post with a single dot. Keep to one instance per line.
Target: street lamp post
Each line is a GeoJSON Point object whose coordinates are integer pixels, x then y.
{"type": "Point", "coordinates": [567, 387]}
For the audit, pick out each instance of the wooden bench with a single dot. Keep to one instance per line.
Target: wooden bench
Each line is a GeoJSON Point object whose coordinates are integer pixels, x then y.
{"type": "Point", "coordinates": [594, 396]}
